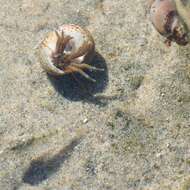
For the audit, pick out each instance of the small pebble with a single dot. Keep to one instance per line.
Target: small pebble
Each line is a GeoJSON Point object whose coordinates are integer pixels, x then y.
{"type": "Point", "coordinates": [85, 121]}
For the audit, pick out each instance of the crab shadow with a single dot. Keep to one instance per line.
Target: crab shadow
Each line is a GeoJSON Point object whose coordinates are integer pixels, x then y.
{"type": "Point", "coordinates": [75, 87]}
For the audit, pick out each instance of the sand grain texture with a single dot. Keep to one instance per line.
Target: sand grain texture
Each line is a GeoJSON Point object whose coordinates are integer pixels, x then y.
{"type": "Point", "coordinates": [55, 134]}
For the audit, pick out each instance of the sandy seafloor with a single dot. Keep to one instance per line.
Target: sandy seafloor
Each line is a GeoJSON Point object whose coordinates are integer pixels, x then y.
{"type": "Point", "coordinates": [128, 131]}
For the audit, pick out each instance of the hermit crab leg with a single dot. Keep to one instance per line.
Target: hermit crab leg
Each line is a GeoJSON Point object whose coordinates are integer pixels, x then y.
{"type": "Point", "coordinates": [82, 50]}
{"type": "Point", "coordinates": [71, 69]}
{"type": "Point", "coordinates": [86, 75]}
{"type": "Point", "coordinates": [61, 42]}
{"type": "Point", "coordinates": [64, 42]}
{"type": "Point", "coordinates": [86, 66]}
{"type": "Point", "coordinates": [58, 43]}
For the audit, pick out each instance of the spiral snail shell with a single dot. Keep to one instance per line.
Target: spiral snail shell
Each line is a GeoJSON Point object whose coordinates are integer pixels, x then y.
{"type": "Point", "coordinates": [66, 50]}
{"type": "Point", "coordinates": [167, 21]}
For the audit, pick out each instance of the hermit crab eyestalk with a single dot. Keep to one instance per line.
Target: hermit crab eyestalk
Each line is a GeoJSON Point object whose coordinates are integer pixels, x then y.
{"type": "Point", "coordinates": [167, 21]}
{"type": "Point", "coordinates": [68, 49]}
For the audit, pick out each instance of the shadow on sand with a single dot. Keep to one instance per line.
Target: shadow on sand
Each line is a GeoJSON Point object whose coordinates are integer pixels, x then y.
{"type": "Point", "coordinates": [76, 88]}
{"type": "Point", "coordinates": [45, 166]}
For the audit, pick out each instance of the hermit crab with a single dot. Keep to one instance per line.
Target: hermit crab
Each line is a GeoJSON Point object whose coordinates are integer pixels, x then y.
{"type": "Point", "coordinates": [171, 18]}
{"type": "Point", "coordinates": [68, 49]}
